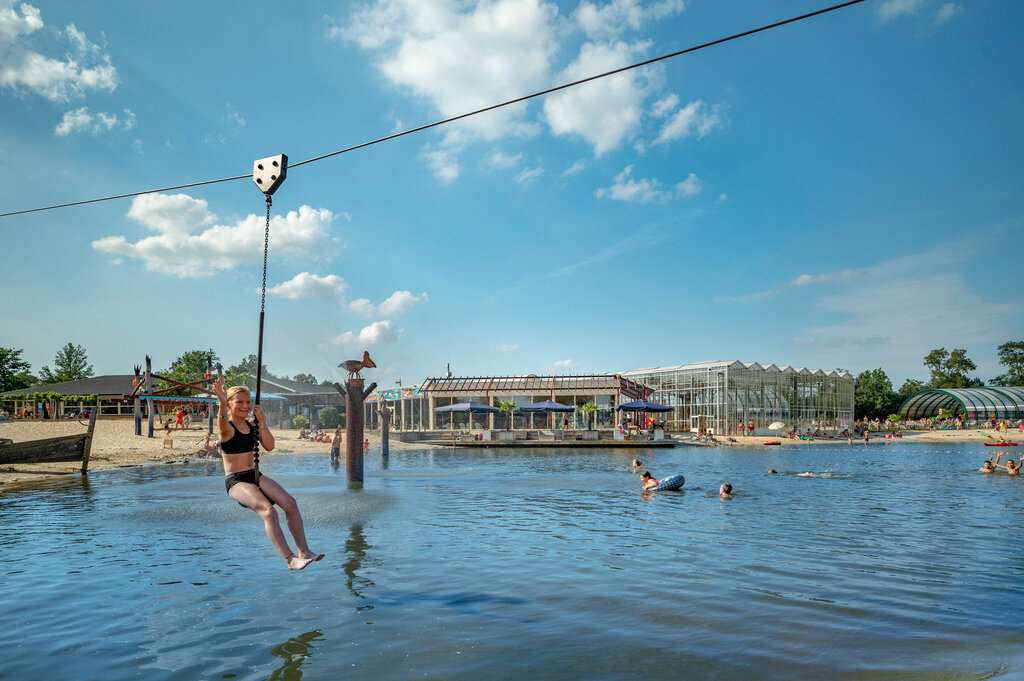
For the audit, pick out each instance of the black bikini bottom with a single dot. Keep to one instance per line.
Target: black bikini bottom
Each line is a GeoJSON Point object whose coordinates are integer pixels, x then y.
{"type": "Point", "coordinates": [233, 479]}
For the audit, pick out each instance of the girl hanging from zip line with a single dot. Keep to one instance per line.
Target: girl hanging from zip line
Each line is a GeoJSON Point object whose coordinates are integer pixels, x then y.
{"type": "Point", "coordinates": [245, 484]}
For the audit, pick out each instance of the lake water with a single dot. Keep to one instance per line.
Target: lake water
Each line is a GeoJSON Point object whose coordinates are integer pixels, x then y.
{"type": "Point", "coordinates": [896, 562]}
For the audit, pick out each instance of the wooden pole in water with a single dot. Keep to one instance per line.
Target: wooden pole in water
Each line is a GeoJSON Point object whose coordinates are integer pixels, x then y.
{"type": "Point", "coordinates": [385, 425]}
{"type": "Point", "coordinates": [355, 396]}
{"type": "Point", "coordinates": [148, 389]}
{"type": "Point", "coordinates": [88, 437]}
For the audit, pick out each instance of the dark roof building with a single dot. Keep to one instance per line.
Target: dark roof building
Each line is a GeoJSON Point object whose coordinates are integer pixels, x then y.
{"type": "Point", "coordinates": [118, 385]}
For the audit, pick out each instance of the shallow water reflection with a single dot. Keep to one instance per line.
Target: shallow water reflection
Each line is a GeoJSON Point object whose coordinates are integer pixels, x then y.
{"type": "Point", "coordinates": [892, 562]}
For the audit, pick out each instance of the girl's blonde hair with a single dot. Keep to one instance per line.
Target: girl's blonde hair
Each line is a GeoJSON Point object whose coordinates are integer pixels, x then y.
{"type": "Point", "coordinates": [235, 389]}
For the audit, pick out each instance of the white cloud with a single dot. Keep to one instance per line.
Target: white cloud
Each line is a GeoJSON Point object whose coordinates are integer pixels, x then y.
{"type": "Point", "coordinates": [610, 20]}
{"type": "Point", "coordinates": [461, 56]}
{"type": "Point", "coordinates": [83, 120]}
{"type": "Point", "coordinates": [606, 111]}
{"type": "Point", "coordinates": [880, 316]}
{"type": "Point", "coordinates": [691, 186]}
{"type": "Point", "coordinates": [305, 284]}
{"type": "Point", "coordinates": [374, 334]}
{"type": "Point", "coordinates": [647, 190]}
{"type": "Point", "coordinates": [527, 175]}
{"type": "Point", "coordinates": [693, 119]}
{"type": "Point", "coordinates": [397, 303]}
{"type": "Point", "coordinates": [26, 70]}
{"type": "Point", "coordinates": [363, 306]}
{"type": "Point", "coordinates": [636, 241]}
{"type": "Point", "coordinates": [499, 160]}
{"type": "Point", "coordinates": [443, 162]}
{"type": "Point", "coordinates": [575, 168]}
{"type": "Point", "coordinates": [664, 105]}
{"type": "Point", "coordinates": [509, 347]}
{"type": "Point", "coordinates": [563, 364]}
{"type": "Point", "coordinates": [179, 249]}
{"type": "Point", "coordinates": [234, 116]}
{"type": "Point", "coordinates": [625, 188]}
{"type": "Point", "coordinates": [890, 9]}
{"type": "Point", "coordinates": [461, 61]}
{"type": "Point", "coordinates": [947, 11]}
{"type": "Point", "coordinates": [801, 280]}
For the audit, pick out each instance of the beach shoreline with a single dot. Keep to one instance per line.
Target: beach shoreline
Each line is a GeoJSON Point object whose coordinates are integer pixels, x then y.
{"type": "Point", "coordinates": [115, 445]}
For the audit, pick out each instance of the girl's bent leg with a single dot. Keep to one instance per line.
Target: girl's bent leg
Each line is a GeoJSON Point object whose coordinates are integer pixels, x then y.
{"type": "Point", "coordinates": [286, 502]}
{"type": "Point", "coordinates": [252, 497]}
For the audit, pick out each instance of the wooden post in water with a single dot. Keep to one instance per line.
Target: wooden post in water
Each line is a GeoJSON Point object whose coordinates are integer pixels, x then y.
{"type": "Point", "coordinates": [385, 425]}
{"type": "Point", "coordinates": [149, 391]}
{"type": "Point", "coordinates": [87, 447]}
{"type": "Point", "coordinates": [137, 411]}
{"type": "Point", "coordinates": [355, 396]}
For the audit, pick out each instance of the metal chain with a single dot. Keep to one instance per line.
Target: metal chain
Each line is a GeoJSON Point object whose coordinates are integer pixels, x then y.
{"type": "Point", "coordinates": [266, 247]}
{"type": "Point", "coordinates": [263, 302]}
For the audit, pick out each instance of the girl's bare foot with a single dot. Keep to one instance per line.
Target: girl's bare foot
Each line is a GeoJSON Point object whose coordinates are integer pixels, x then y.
{"type": "Point", "coordinates": [313, 557]}
{"type": "Point", "coordinates": [297, 563]}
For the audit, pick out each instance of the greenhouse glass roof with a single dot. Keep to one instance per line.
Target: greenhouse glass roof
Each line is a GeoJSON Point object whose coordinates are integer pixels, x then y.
{"type": "Point", "coordinates": [998, 403]}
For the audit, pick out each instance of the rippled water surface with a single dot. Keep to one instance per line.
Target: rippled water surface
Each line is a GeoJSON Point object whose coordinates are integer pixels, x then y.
{"type": "Point", "coordinates": [895, 562]}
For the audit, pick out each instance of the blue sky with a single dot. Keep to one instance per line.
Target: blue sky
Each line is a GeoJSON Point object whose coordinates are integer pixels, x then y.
{"type": "Point", "coordinates": [841, 192]}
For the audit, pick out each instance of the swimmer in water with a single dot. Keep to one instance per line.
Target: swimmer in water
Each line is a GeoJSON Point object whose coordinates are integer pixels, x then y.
{"type": "Point", "coordinates": [806, 474]}
{"type": "Point", "coordinates": [1010, 466]}
{"type": "Point", "coordinates": [648, 480]}
{"type": "Point", "coordinates": [725, 491]}
{"type": "Point", "coordinates": [987, 467]}
{"type": "Point", "coordinates": [772, 471]}
{"type": "Point", "coordinates": [637, 464]}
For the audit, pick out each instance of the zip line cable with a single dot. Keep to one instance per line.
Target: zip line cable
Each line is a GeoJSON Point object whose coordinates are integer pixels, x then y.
{"type": "Point", "coordinates": [467, 115]}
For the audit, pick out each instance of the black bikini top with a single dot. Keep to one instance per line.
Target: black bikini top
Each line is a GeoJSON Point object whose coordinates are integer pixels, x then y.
{"type": "Point", "coordinates": [240, 443]}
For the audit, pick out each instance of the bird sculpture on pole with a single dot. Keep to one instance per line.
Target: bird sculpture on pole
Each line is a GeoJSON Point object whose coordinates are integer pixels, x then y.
{"type": "Point", "coordinates": [354, 366]}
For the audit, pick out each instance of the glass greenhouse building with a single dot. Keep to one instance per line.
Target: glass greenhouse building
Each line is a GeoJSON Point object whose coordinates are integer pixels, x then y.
{"type": "Point", "coordinates": [726, 396]}
{"type": "Point", "coordinates": [971, 403]}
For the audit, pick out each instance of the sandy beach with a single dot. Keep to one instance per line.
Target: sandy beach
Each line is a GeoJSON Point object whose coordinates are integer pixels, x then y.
{"type": "Point", "coordinates": [115, 445]}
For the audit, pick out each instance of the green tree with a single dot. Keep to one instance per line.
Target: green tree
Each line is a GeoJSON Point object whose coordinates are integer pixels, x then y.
{"type": "Point", "coordinates": [589, 409]}
{"type": "Point", "coordinates": [909, 387]}
{"type": "Point", "coordinates": [949, 369]}
{"type": "Point", "coordinates": [14, 373]}
{"type": "Point", "coordinates": [244, 373]}
{"type": "Point", "coordinates": [873, 395]}
{"type": "Point", "coordinates": [507, 408]}
{"type": "Point", "coordinates": [306, 378]}
{"type": "Point", "coordinates": [330, 417]}
{"type": "Point", "coordinates": [190, 367]}
{"type": "Point", "coordinates": [1011, 356]}
{"type": "Point", "coordinates": [71, 364]}
{"type": "Point", "coordinates": [300, 420]}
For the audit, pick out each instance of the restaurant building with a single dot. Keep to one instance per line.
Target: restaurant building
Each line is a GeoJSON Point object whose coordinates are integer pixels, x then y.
{"type": "Point", "coordinates": [413, 406]}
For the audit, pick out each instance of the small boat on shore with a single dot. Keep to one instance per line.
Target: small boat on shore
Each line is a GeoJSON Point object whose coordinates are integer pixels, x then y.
{"type": "Point", "coordinates": [1000, 444]}
{"type": "Point", "coordinates": [772, 442]}
{"type": "Point", "coordinates": [66, 448]}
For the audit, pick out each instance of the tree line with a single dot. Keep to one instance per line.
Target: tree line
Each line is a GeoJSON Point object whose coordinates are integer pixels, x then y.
{"type": "Point", "coordinates": [874, 395]}
{"type": "Point", "coordinates": [71, 363]}
{"type": "Point", "coordinates": [875, 398]}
